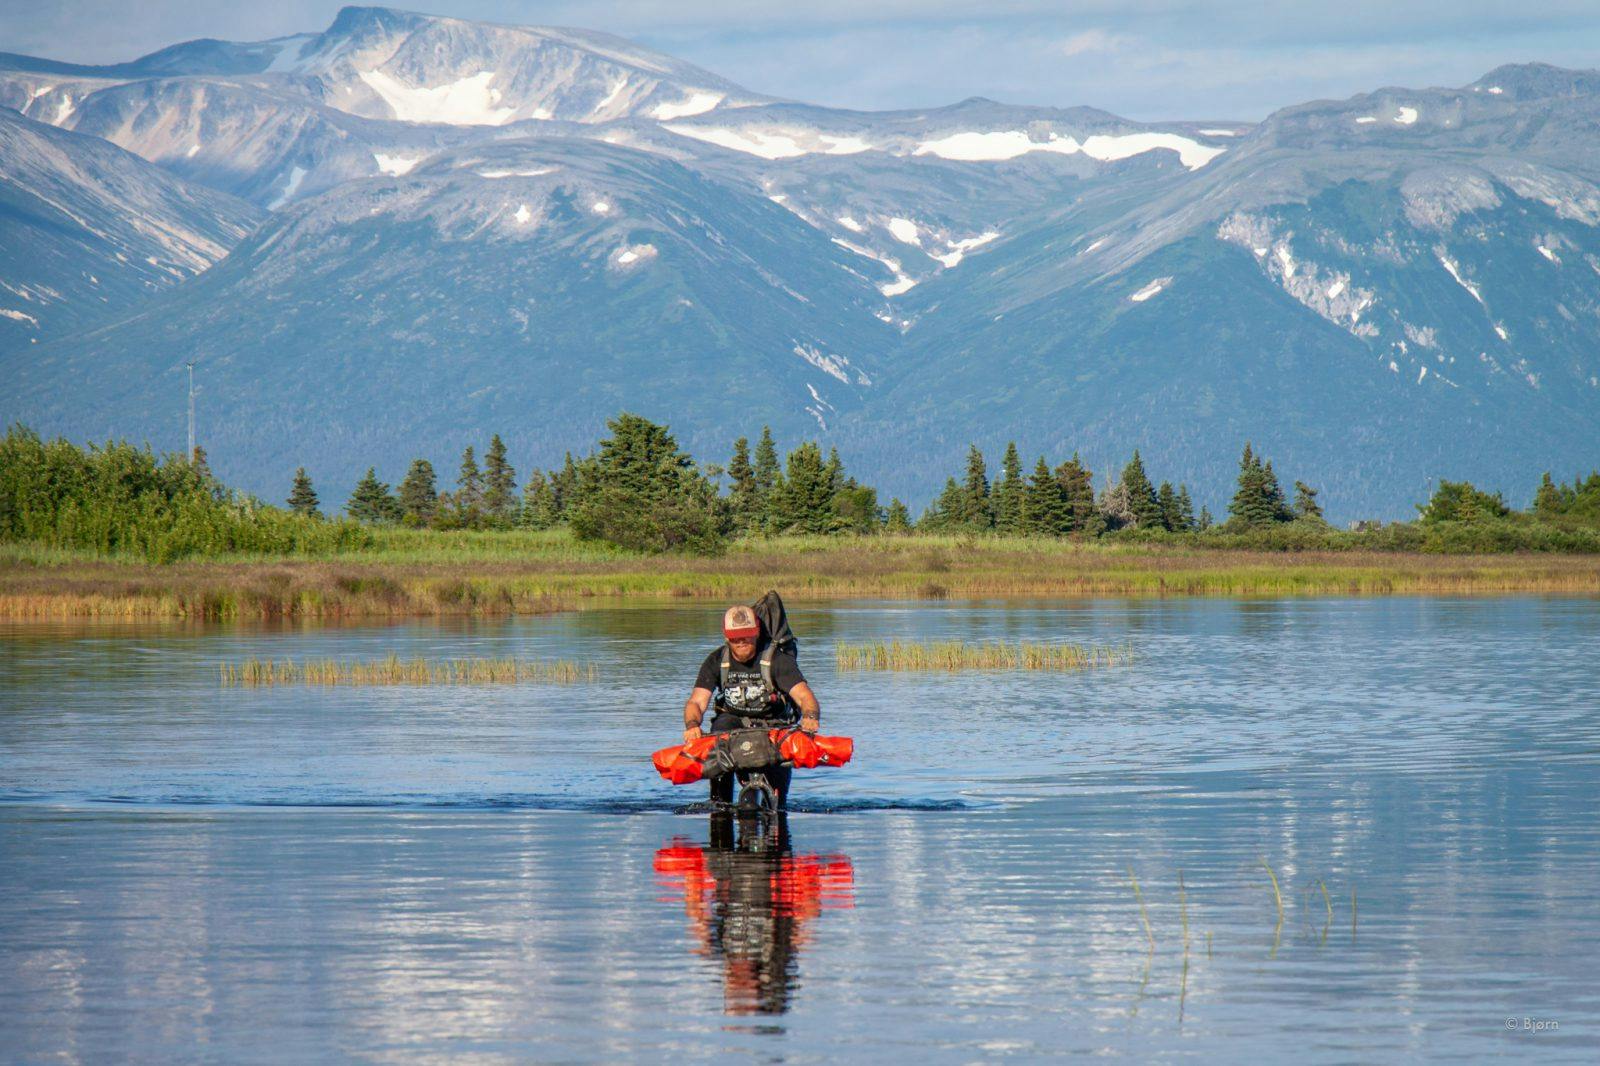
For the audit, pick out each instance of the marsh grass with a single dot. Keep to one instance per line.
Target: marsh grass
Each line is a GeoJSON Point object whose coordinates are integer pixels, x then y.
{"type": "Point", "coordinates": [397, 671]}
{"type": "Point", "coordinates": [409, 573]}
{"type": "Point", "coordinates": [954, 656]}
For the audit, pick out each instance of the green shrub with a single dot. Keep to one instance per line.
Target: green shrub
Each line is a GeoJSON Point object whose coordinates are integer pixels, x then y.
{"type": "Point", "coordinates": [122, 500]}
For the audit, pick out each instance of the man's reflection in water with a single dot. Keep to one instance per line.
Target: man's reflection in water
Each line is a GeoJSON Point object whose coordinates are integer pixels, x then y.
{"type": "Point", "coordinates": [750, 900]}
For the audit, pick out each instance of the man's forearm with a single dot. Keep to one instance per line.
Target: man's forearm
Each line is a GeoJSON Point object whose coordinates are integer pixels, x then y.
{"type": "Point", "coordinates": [692, 713]}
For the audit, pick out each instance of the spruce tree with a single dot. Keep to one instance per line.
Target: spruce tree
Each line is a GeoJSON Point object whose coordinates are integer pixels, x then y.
{"type": "Point", "coordinates": [1550, 501]}
{"type": "Point", "coordinates": [564, 488]}
{"type": "Point", "coordinates": [804, 498]}
{"type": "Point", "coordinates": [1142, 501]}
{"type": "Point", "coordinates": [976, 509]}
{"type": "Point", "coordinates": [371, 502]}
{"type": "Point", "coordinates": [1185, 510]}
{"type": "Point", "coordinates": [538, 502]}
{"type": "Point", "coordinates": [743, 500]}
{"type": "Point", "coordinates": [302, 497]}
{"type": "Point", "coordinates": [1252, 503]}
{"type": "Point", "coordinates": [898, 519]}
{"type": "Point", "coordinates": [1077, 485]}
{"type": "Point", "coordinates": [640, 491]}
{"type": "Point", "coordinates": [499, 484]}
{"type": "Point", "coordinates": [469, 491]}
{"type": "Point", "coordinates": [1045, 509]}
{"type": "Point", "coordinates": [419, 495]}
{"type": "Point", "coordinates": [1008, 494]}
{"type": "Point", "coordinates": [1167, 499]}
{"type": "Point", "coordinates": [1276, 503]}
{"type": "Point", "coordinates": [1205, 521]}
{"type": "Point", "coordinates": [945, 512]}
{"type": "Point", "coordinates": [766, 476]}
{"type": "Point", "coordinates": [1305, 502]}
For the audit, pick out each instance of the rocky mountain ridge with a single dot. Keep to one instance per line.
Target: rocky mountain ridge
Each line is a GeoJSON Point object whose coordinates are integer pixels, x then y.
{"type": "Point", "coordinates": [478, 228]}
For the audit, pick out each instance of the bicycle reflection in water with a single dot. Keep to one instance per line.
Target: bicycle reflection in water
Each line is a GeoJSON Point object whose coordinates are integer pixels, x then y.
{"type": "Point", "coordinates": [750, 901]}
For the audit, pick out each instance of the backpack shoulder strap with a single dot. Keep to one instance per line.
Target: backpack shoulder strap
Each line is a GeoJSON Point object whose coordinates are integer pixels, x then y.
{"type": "Point", "coordinates": [726, 663]}
{"type": "Point", "coordinates": [766, 667]}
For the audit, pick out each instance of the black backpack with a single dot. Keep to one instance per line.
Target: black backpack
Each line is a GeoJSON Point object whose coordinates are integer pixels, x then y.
{"type": "Point", "coordinates": [775, 624]}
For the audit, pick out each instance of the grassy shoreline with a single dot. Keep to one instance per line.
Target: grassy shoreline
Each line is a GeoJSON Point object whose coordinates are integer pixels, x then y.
{"type": "Point", "coordinates": [430, 574]}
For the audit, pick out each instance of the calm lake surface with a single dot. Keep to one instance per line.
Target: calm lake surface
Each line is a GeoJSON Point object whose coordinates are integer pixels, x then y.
{"type": "Point", "coordinates": [197, 873]}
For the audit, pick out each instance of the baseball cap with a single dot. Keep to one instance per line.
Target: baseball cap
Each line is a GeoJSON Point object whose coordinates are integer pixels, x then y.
{"type": "Point", "coordinates": [740, 623]}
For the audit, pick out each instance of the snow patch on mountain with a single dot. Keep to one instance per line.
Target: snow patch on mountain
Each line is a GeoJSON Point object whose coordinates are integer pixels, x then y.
{"type": "Point", "coordinates": [617, 89]}
{"type": "Point", "coordinates": [396, 165]}
{"type": "Point", "coordinates": [891, 263]}
{"type": "Point", "coordinates": [523, 215]}
{"type": "Point", "coordinates": [959, 249]}
{"type": "Point", "coordinates": [833, 365]}
{"type": "Point", "coordinates": [1406, 116]}
{"type": "Point", "coordinates": [19, 316]}
{"type": "Point", "coordinates": [1548, 254]}
{"type": "Point", "coordinates": [531, 172]}
{"type": "Point", "coordinates": [1150, 290]}
{"type": "Point", "coordinates": [634, 253]}
{"type": "Point", "coordinates": [1332, 294]}
{"type": "Point", "coordinates": [1000, 145]}
{"type": "Point", "coordinates": [698, 103]}
{"type": "Point", "coordinates": [290, 187]}
{"type": "Point", "coordinates": [904, 230]}
{"type": "Point", "coordinates": [1455, 272]}
{"type": "Point", "coordinates": [469, 101]}
{"type": "Point", "coordinates": [1422, 336]}
{"type": "Point", "coordinates": [751, 142]}
{"type": "Point", "coordinates": [899, 285]}
{"type": "Point", "coordinates": [850, 224]}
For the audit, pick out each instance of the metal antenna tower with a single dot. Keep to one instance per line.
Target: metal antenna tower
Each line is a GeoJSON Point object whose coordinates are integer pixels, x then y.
{"type": "Point", "coordinates": [190, 365]}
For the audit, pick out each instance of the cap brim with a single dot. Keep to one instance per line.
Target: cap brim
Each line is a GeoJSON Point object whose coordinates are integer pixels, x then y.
{"type": "Point", "coordinates": [742, 634]}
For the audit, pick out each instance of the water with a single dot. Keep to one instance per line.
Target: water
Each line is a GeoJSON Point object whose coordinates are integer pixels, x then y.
{"type": "Point", "coordinates": [189, 872]}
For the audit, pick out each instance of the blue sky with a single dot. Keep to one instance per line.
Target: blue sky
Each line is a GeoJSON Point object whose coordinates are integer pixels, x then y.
{"type": "Point", "coordinates": [1146, 59]}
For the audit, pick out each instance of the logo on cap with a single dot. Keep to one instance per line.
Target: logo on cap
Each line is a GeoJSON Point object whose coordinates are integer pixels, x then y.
{"type": "Point", "coordinates": [740, 623]}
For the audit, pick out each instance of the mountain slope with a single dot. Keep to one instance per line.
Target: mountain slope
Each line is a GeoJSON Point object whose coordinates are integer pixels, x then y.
{"type": "Point", "coordinates": [88, 231]}
{"type": "Point", "coordinates": [532, 289]}
{"type": "Point", "coordinates": [482, 228]}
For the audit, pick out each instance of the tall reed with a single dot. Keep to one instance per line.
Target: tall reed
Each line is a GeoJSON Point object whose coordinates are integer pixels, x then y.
{"type": "Point", "coordinates": [397, 671]}
{"type": "Point", "coordinates": [957, 655]}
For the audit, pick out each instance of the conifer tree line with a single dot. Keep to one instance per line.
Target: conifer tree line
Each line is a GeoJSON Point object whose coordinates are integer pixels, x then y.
{"type": "Point", "coordinates": [639, 489]}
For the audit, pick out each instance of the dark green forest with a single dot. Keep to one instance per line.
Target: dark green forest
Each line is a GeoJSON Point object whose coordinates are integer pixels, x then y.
{"type": "Point", "coordinates": [639, 490]}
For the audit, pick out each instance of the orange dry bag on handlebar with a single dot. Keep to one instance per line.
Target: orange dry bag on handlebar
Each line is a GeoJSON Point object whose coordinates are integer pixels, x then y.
{"type": "Point", "coordinates": [683, 764]}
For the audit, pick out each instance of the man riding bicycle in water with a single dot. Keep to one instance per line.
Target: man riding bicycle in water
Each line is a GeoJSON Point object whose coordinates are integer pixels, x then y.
{"type": "Point", "coordinates": [756, 685]}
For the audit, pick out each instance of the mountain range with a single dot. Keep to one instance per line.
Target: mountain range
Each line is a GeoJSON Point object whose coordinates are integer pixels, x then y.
{"type": "Point", "coordinates": [400, 235]}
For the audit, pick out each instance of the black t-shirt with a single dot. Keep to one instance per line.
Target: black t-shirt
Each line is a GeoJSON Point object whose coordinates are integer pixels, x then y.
{"type": "Point", "coordinates": [744, 679]}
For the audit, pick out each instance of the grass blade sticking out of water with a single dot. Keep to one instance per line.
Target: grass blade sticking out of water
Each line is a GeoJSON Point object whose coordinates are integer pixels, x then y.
{"type": "Point", "coordinates": [1149, 958]}
{"type": "Point", "coordinates": [1183, 914]}
{"type": "Point", "coordinates": [397, 671]}
{"type": "Point", "coordinates": [1144, 915]}
{"type": "Point", "coordinates": [1277, 931]}
{"type": "Point", "coordinates": [954, 656]}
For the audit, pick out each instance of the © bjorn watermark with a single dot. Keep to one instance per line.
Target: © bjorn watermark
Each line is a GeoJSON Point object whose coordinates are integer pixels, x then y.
{"type": "Point", "coordinates": [1532, 1025]}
